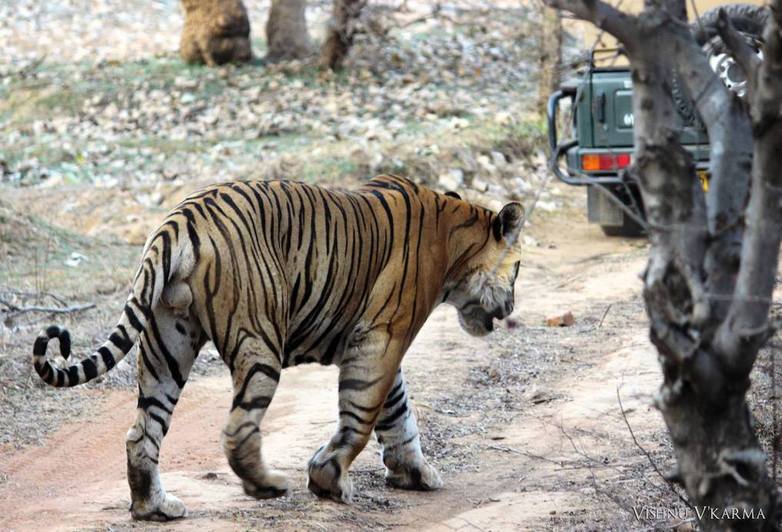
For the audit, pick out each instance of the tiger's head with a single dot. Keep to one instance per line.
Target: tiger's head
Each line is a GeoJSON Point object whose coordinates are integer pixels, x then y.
{"type": "Point", "coordinates": [483, 290]}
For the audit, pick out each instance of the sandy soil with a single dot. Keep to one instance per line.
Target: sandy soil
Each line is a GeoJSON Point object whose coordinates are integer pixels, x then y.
{"type": "Point", "coordinates": [554, 454]}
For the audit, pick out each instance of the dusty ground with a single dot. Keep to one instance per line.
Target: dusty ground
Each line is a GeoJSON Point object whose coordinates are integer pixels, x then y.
{"type": "Point", "coordinates": [524, 425]}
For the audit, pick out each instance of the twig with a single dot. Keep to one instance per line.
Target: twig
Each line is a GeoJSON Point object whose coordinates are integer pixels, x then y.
{"type": "Point", "coordinates": [646, 453]}
{"type": "Point", "coordinates": [589, 466]}
{"type": "Point", "coordinates": [436, 12]}
{"type": "Point", "coordinates": [775, 426]}
{"type": "Point", "coordinates": [697, 15]}
{"type": "Point", "coordinates": [32, 66]}
{"type": "Point", "coordinates": [33, 295]}
{"type": "Point", "coordinates": [591, 461]}
{"type": "Point", "coordinates": [50, 310]}
{"type": "Point", "coordinates": [8, 305]}
{"type": "Point", "coordinates": [604, 315]}
{"type": "Point", "coordinates": [369, 470]}
{"type": "Point", "coordinates": [505, 449]}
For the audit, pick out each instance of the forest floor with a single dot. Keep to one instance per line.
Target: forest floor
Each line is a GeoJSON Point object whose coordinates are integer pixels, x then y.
{"type": "Point", "coordinates": [105, 129]}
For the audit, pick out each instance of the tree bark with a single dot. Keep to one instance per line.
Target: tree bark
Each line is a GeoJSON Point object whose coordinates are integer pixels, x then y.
{"type": "Point", "coordinates": [339, 36]}
{"type": "Point", "coordinates": [215, 32]}
{"type": "Point", "coordinates": [286, 31]}
{"type": "Point", "coordinates": [710, 277]}
{"type": "Point", "coordinates": [549, 55]}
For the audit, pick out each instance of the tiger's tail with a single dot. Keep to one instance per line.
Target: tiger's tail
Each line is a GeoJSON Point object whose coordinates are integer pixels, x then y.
{"type": "Point", "coordinates": [159, 262]}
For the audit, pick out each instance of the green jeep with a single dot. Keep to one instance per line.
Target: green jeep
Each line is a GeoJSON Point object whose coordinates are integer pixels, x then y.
{"type": "Point", "coordinates": [600, 146]}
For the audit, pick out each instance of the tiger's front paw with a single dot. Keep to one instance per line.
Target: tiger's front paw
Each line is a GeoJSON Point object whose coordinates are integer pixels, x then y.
{"type": "Point", "coordinates": [169, 509]}
{"type": "Point", "coordinates": [421, 477]}
{"type": "Point", "coordinates": [327, 479]}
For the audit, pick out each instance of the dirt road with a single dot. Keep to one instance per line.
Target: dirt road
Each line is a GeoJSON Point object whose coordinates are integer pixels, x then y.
{"type": "Point", "coordinates": [524, 425]}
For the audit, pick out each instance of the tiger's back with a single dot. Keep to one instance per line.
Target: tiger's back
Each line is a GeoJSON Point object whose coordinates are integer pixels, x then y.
{"type": "Point", "coordinates": [317, 255]}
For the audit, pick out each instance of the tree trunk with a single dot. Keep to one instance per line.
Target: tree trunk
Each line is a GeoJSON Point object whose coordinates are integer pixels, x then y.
{"type": "Point", "coordinates": [339, 36]}
{"type": "Point", "coordinates": [215, 32]}
{"type": "Point", "coordinates": [713, 258]}
{"type": "Point", "coordinates": [286, 31]}
{"type": "Point", "coordinates": [549, 55]}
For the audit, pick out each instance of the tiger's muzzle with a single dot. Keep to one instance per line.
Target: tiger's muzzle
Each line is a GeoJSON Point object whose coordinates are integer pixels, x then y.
{"type": "Point", "coordinates": [477, 321]}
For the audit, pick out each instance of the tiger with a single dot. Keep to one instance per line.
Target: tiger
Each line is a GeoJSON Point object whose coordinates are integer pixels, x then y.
{"type": "Point", "coordinates": [281, 273]}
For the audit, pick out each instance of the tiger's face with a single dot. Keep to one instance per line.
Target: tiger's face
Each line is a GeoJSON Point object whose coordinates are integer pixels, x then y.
{"type": "Point", "coordinates": [486, 292]}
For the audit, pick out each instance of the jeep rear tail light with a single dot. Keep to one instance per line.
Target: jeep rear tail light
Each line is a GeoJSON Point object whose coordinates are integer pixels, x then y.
{"type": "Point", "coordinates": [601, 162]}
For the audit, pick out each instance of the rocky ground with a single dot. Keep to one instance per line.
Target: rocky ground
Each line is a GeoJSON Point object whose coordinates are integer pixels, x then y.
{"type": "Point", "coordinates": [446, 96]}
{"type": "Point", "coordinates": [104, 129]}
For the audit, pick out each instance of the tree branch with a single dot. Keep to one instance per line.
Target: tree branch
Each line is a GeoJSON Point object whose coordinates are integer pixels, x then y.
{"type": "Point", "coordinates": [606, 17]}
{"type": "Point", "coordinates": [730, 160]}
{"type": "Point", "coordinates": [746, 328]}
{"type": "Point", "coordinates": [51, 310]}
{"type": "Point", "coordinates": [742, 52]}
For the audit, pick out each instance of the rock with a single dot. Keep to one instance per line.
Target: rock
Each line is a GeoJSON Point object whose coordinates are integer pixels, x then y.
{"type": "Point", "coordinates": [150, 200]}
{"type": "Point", "coordinates": [537, 396]}
{"type": "Point", "coordinates": [486, 164]}
{"type": "Point", "coordinates": [135, 234]}
{"type": "Point", "coordinates": [75, 260]}
{"type": "Point", "coordinates": [529, 241]}
{"type": "Point", "coordinates": [182, 82]}
{"type": "Point", "coordinates": [106, 181]}
{"type": "Point", "coordinates": [565, 320]}
{"type": "Point", "coordinates": [156, 198]}
{"type": "Point", "coordinates": [54, 179]}
{"type": "Point", "coordinates": [521, 185]}
{"type": "Point", "coordinates": [547, 206]}
{"type": "Point", "coordinates": [479, 184]}
{"type": "Point", "coordinates": [106, 287]}
{"type": "Point", "coordinates": [453, 180]}
{"type": "Point", "coordinates": [498, 159]}
{"type": "Point", "coordinates": [503, 117]}
{"type": "Point", "coordinates": [172, 170]}
{"type": "Point", "coordinates": [497, 190]}
{"type": "Point", "coordinates": [459, 123]}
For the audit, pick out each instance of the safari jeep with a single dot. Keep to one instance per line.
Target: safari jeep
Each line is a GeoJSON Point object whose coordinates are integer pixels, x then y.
{"type": "Point", "coordinates": [599, 145]}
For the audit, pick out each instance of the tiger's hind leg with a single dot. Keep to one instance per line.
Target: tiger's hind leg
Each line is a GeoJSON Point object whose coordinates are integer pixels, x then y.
{"type": "Point", "coordinates": [255, 373]}
{"type": "Point", "coordinates": [397, 434]}
{"type": "Point", "coordinates": [167, 350]}
{"type": "Point", "coordinates": [364, 381]}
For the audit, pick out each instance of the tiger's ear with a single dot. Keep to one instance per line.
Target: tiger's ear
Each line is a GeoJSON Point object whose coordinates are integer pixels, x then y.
{"type": "Point", "coordinates": [453, 194]}
{"type": "Point", "coordinates": [508, 222]}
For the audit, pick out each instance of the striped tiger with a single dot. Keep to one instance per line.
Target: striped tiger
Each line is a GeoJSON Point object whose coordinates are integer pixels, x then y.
{"type": "Point", "coordinates": [280, 273]}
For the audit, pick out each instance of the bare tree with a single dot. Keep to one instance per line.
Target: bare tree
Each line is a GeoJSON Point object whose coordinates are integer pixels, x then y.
{"type": "Point", "coordinates": [549, 55]}
{"type": "Point", "coordinates": [340, 33]}
{"type": "Point", "coordinates": [286, 31]}
{"type": "Point", "coordinates": [713, 257]}
{"type": "Point", "coordinates": [215, 32]}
